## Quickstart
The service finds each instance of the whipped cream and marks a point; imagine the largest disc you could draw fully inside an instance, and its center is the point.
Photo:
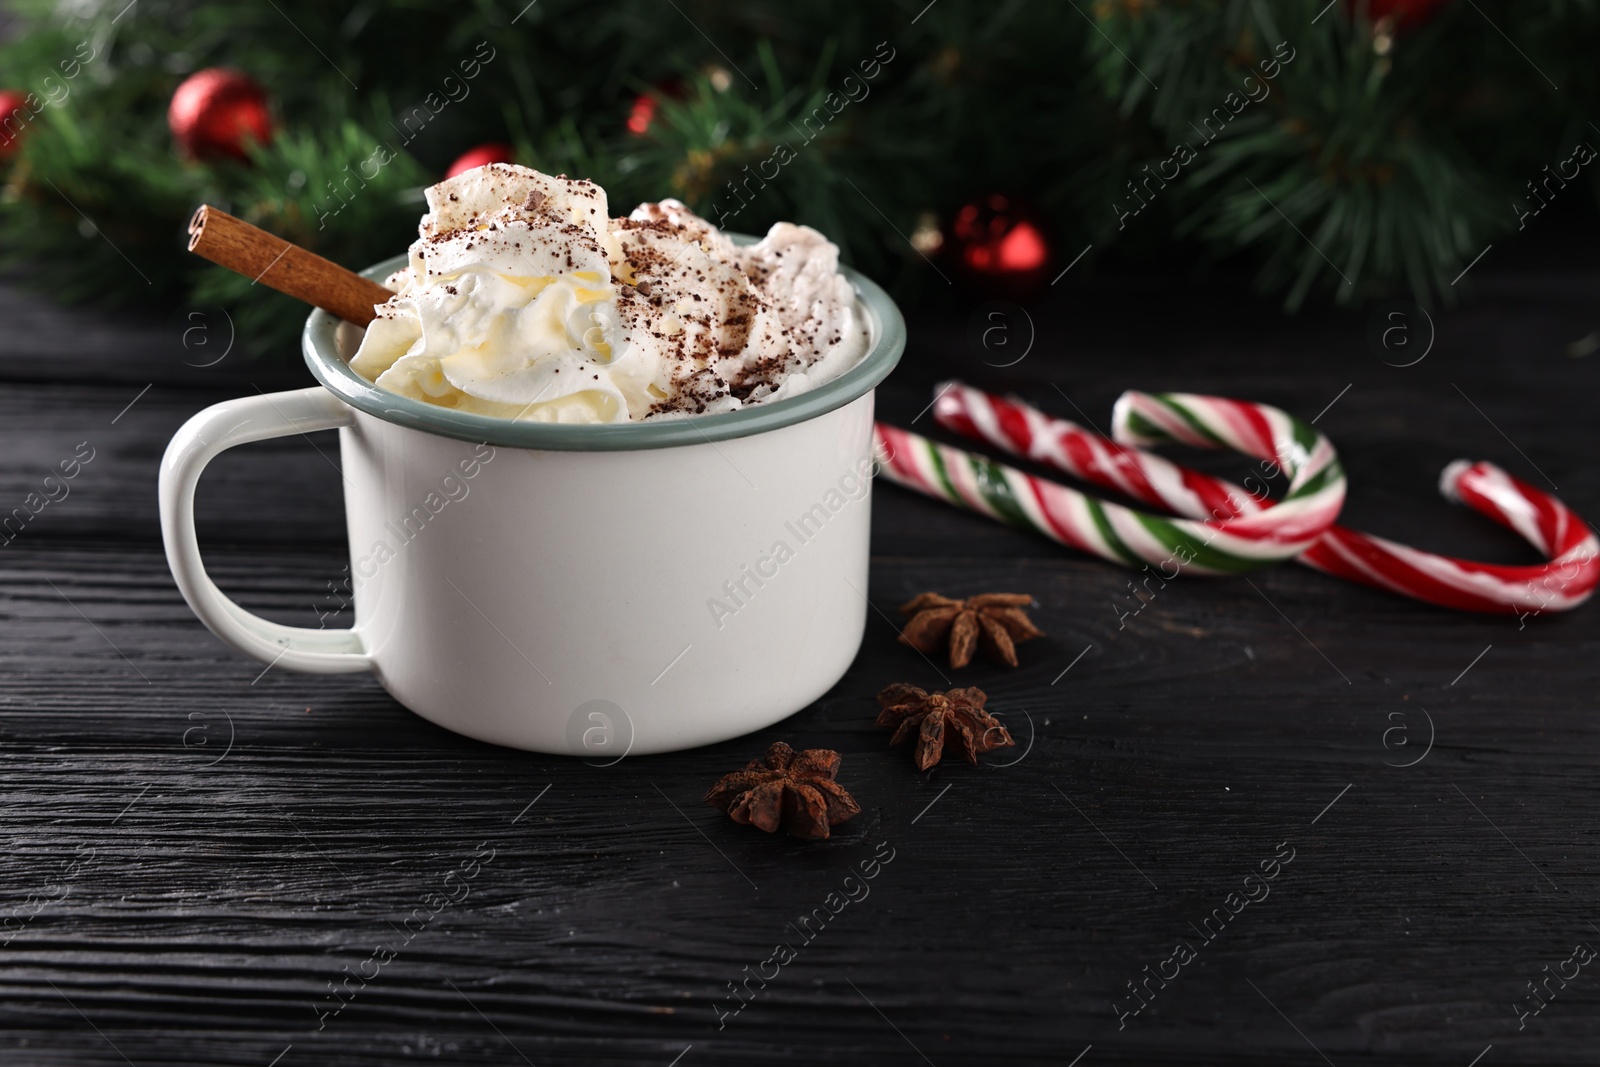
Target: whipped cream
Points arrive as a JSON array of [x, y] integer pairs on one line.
[[523, 299]]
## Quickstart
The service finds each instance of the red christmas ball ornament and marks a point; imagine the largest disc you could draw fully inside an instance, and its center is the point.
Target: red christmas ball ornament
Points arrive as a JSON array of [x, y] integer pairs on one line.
[[642, 113], [643, 110], [11, 102], [999, 245], [482, 156], [215, 111]]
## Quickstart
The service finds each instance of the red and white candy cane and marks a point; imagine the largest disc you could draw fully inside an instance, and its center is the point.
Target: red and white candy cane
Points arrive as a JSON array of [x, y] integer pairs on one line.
[[1563, 583], [1226, 542]]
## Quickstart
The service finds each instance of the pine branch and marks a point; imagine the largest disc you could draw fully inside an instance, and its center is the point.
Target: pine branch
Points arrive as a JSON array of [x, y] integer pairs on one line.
[[1374, 160]]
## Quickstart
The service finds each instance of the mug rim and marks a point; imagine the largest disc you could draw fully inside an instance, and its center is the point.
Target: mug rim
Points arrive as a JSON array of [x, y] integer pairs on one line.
[[319, 344]]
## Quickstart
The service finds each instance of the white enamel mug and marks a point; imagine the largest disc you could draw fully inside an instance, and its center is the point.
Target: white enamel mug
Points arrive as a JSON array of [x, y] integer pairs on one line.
[[582, 590]]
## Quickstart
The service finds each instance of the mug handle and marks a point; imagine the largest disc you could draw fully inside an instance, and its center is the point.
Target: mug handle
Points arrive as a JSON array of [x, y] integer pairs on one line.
[[219, 427]]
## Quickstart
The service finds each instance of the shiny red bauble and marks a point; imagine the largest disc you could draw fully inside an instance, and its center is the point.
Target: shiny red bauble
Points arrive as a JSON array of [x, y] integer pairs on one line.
[[482, 156], [216, 111], [999, 245]]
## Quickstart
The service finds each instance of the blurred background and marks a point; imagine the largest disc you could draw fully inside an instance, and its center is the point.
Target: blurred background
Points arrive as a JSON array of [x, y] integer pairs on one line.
[[1330, 151]]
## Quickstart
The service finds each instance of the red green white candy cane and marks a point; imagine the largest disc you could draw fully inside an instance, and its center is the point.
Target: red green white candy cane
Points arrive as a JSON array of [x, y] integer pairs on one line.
[[1559, 585], [1218, 540]]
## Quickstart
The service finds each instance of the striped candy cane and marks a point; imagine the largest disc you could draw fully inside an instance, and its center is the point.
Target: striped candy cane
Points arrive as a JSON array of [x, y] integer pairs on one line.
[[1563, 583], [1228, 542]]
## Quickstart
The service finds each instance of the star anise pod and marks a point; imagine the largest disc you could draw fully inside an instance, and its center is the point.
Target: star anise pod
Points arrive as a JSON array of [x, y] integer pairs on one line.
[[956, 719], [994, 620], [788, 789]]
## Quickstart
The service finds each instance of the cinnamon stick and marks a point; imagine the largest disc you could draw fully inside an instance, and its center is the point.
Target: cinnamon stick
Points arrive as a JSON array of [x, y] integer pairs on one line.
[[286, 267]]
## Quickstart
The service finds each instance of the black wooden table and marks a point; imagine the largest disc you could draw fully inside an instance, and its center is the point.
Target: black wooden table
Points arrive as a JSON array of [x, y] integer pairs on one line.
[[211, 863]]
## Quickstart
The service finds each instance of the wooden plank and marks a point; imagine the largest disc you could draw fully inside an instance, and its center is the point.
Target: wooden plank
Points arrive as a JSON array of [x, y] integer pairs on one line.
[[223, 898], [288, 489], [284, 490], [192, 346], [1172, 751]]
